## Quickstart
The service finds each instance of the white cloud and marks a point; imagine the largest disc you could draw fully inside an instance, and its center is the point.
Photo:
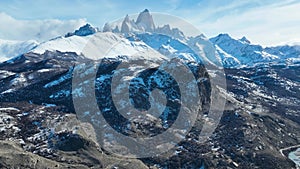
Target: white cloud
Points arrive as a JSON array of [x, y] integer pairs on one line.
[[40, 30], [267, 25], [268, 22]]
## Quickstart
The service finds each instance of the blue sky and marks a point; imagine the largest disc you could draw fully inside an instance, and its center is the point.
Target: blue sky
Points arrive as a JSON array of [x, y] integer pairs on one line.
[[268, 22]]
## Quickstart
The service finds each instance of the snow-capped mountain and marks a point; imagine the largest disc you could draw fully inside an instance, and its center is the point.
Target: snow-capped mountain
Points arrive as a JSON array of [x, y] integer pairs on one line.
[[230, 52], [10, 49], [291, 54], [144, 23], [38, 121], [111, 46], [63, 44], [173, 32], [241, 53], [73, 42], [135, 37], [136, 34]]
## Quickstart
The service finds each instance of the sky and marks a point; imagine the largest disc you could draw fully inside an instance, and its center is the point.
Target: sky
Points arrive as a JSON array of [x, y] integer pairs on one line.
[[265, 22]]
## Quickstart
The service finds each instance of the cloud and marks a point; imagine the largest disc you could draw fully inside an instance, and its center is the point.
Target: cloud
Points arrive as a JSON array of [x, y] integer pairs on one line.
[[270, 24], [40, 30]]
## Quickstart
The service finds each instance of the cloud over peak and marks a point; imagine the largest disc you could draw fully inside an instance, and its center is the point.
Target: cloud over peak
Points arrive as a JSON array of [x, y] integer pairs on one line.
[[40, 30]]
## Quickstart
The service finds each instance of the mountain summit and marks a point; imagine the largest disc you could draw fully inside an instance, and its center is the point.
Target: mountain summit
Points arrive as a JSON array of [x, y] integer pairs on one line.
[[128, 25], [167, 40], [85, 30], [145, 21]]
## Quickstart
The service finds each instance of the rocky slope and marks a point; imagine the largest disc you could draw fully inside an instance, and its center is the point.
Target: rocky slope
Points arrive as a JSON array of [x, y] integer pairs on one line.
[[261, 117]]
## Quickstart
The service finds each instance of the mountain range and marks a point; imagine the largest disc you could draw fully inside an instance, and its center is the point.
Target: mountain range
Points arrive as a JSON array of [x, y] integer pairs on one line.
[[234, 53], [39, 102]]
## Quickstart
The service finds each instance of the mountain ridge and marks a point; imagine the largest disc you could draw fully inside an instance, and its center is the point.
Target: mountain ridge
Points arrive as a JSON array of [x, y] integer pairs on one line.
[[234, 53]]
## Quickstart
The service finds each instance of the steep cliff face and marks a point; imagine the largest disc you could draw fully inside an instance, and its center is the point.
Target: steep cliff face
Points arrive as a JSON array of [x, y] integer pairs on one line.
[[145, 21]]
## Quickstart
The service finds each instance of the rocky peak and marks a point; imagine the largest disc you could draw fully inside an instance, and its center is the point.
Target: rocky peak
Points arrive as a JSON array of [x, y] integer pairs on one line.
[[146, 10], [245, 40], [127, 19], [173, 32], [145, 21], [107, 28], [85, 30], [221, 37], [128, 26]]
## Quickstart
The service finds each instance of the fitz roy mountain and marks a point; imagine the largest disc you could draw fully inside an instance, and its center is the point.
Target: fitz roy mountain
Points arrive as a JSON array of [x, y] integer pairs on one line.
[[234, 53], [40, 127]]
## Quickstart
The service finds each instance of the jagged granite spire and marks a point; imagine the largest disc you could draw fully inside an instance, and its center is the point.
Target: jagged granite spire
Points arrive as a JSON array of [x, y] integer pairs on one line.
[[107, 28], [126, 25], [145, 21]]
